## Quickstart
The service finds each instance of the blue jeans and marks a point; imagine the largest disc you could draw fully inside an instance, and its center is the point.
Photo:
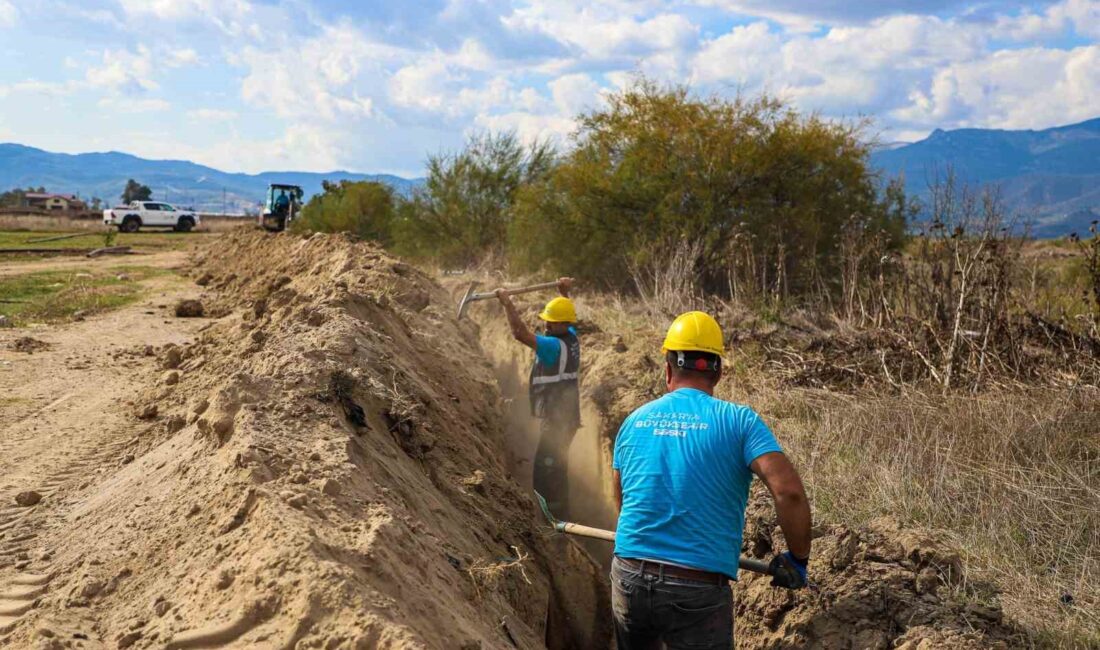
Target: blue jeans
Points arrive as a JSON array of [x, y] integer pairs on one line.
[[682, 613]]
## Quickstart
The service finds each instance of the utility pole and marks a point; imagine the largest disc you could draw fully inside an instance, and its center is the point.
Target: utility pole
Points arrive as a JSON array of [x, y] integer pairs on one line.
[[223, 201]]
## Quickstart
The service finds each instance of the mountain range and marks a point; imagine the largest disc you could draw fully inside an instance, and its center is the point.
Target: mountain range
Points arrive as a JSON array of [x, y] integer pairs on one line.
[[181, 182], [1050, 178]]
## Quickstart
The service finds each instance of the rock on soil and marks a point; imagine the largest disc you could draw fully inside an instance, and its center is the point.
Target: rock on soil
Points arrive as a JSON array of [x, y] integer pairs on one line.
[[28, 498], [28, 344], [189, 309]]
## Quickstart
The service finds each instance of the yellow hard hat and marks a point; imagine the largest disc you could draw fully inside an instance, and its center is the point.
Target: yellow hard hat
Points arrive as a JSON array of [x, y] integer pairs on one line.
[[559, 310], [694, 330]]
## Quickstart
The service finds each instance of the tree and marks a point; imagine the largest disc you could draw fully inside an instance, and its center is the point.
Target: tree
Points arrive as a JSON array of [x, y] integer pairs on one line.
[[365, 209], [747, 194], [96, 203], [463, 211], [17, 198], [135, 191]]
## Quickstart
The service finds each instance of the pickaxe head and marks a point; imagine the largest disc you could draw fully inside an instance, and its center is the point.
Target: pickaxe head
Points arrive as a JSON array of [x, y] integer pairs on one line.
[[465, 302]]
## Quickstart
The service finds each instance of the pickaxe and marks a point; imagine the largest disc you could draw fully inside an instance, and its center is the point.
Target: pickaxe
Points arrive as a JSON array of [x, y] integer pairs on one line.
[[569, 528], [474, 297]]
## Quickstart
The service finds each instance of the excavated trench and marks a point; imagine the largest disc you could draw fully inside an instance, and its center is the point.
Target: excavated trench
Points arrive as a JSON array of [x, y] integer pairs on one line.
[[590, 489], [336, 462], [878, 586]]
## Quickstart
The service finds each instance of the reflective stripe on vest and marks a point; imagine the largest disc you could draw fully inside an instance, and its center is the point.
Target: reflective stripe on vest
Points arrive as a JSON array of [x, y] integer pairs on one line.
[[560, 375]]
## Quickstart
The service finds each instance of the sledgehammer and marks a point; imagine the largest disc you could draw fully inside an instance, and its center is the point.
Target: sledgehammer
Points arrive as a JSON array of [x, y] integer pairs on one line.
[[474, 297], [569, 528]]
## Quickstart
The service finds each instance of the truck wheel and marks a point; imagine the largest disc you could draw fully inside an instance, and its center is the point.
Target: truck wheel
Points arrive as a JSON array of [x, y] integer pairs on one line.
[[185, 224], [130, 224]]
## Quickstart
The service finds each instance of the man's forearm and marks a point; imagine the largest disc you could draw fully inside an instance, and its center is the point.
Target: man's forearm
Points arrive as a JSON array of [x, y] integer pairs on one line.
[[516, 323], [793, 511], [519, 329]]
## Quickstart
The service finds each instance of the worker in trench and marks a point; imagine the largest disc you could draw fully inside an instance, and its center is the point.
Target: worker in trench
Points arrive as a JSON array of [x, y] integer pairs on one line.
[[682, 468], [554, 390]]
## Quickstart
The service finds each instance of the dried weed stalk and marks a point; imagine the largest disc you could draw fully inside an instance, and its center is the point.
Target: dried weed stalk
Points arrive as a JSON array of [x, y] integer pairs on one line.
[[488, 574]]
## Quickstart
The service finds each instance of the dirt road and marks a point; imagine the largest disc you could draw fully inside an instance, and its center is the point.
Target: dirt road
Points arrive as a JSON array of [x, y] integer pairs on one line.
[[65, 417]]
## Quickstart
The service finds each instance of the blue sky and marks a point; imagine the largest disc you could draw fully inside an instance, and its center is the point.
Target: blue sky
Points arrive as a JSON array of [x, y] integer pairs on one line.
[[251, 85]]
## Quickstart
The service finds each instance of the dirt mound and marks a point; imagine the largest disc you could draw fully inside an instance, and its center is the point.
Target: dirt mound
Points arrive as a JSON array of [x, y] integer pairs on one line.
[[882, 586], [325, 468], [28, 344]]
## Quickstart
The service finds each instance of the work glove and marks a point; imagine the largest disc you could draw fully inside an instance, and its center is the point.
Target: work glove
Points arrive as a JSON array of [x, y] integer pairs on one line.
[[788, 571]]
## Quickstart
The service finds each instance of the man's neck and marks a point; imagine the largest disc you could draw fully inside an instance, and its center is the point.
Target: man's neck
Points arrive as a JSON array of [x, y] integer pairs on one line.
[[687, 382]]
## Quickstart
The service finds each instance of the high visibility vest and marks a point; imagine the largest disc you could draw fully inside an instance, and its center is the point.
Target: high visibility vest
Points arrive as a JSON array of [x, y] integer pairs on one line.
[[555, 391]]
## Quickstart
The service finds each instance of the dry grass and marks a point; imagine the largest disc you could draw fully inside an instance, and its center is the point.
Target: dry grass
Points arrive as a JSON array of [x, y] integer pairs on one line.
[[486, 575], [1013, 478], [56, 223], [55, 296]]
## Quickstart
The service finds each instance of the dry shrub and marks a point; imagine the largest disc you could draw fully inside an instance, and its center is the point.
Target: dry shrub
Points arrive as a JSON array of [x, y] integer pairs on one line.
[[1013, 477], [667, 277]]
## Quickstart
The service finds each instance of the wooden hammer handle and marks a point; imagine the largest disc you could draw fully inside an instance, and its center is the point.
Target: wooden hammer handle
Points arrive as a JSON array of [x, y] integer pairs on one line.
[[514, 292]]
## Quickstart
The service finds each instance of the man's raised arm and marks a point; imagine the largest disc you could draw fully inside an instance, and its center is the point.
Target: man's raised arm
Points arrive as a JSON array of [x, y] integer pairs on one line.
[[520, 331]]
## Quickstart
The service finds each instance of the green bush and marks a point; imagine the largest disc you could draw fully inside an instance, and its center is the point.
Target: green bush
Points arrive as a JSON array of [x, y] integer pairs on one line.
[[364, 208], [756, 193], [461, 214]]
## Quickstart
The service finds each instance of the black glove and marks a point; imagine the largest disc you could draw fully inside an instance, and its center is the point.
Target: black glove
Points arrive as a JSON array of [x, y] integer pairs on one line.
[[788, 571]]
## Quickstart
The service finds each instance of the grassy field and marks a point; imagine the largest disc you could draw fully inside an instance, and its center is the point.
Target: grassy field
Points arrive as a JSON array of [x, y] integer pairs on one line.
[[145, 241], [55, 296]]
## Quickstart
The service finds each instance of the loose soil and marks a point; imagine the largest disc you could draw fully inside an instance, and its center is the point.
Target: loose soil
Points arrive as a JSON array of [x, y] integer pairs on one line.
[[318, 462]]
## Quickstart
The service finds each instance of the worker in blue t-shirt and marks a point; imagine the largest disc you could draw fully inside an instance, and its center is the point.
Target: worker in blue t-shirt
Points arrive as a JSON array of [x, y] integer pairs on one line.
[[682, 468], [554, 390]]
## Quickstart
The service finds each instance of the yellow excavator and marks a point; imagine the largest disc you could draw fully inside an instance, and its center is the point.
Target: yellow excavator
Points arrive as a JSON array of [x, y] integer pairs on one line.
[[283, 205]]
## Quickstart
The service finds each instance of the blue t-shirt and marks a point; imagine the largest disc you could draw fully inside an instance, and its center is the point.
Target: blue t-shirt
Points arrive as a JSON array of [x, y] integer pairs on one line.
[[684, 465], [548, 348]]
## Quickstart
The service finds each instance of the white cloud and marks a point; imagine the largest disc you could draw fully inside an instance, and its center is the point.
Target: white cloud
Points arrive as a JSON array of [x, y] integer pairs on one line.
[[528, 127], [1012, 89], [422, 84], [574, 93], [845, 70], [1083, 16], [123, 71], [744, 56], [9, 15], [212, 115], [601, 31], [46, 88], [182, 57], [328, 76], [133, 104], [230, 16]]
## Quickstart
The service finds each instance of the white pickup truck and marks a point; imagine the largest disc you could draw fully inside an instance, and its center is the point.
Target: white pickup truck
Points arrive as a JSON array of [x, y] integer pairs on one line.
[[129, 218]]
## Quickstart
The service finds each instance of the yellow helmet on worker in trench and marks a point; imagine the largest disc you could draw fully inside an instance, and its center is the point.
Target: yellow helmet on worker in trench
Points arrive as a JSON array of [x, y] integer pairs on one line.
[[697, 331], [559, 310]]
